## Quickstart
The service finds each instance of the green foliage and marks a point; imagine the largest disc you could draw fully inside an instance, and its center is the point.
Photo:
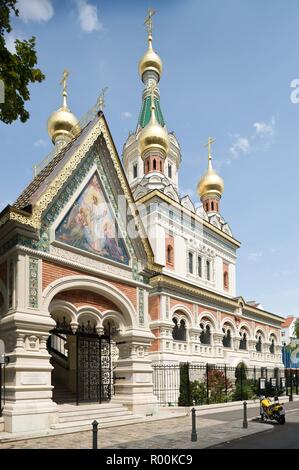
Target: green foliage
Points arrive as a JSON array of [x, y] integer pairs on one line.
[[198, 392], [241, 373], [185, 396], [247, 391], [218, 386], [297, 328], [17, 70]]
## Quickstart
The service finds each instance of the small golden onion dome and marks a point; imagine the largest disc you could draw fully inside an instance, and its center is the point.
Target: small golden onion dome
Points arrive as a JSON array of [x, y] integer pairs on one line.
[[153, 135], [211, 183], [150, 61], [63, 124]]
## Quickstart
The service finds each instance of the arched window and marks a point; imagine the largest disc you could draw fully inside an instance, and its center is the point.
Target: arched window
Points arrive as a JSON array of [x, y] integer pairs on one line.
[[243, 341], [148, 166], [160, 166], [199, 266], [135, 170], [179, 331], [205, 335], [190, 260], [169, 170], [227, 339], [182, 330], [154, 164], [207, 207], [175, 329], [212, 205], [258, 345], [170, 254], [225, 280], [272, 346], [208, 269]]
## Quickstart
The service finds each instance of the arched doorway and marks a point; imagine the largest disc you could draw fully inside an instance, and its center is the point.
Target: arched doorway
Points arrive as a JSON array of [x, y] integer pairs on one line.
[[81, 360]]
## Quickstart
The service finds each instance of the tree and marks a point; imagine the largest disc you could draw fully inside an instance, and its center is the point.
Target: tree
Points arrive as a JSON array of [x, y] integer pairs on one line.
[[297, 328], [17, 70]]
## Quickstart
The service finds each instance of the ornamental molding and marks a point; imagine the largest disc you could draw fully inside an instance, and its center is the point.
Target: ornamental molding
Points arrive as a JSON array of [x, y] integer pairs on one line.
[[178, 285], [74, 263]]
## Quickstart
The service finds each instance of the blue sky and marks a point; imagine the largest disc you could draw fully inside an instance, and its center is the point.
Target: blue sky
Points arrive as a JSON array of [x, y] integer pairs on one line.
[[228, 66]]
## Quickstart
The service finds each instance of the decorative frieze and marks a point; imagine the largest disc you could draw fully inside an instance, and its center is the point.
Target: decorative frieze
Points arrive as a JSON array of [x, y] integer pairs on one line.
[[33, 282], [141, 306]]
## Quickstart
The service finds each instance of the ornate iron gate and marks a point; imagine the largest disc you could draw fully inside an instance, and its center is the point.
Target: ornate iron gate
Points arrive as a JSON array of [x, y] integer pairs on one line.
[[93, 368]]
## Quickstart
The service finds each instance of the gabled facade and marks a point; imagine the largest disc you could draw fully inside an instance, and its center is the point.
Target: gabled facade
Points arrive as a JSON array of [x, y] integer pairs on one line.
[[74, 282]]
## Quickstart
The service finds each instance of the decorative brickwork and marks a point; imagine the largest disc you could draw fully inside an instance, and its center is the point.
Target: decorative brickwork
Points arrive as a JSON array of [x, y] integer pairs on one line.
[[154, 307], [52, 272]]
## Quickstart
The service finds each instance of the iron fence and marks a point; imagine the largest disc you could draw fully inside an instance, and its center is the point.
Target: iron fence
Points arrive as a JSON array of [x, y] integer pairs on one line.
[[186, 384]]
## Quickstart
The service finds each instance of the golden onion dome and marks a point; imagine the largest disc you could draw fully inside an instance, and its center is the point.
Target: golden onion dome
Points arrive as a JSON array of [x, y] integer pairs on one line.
[[211, 183], [153, 135], [150, 61], [62, 125]]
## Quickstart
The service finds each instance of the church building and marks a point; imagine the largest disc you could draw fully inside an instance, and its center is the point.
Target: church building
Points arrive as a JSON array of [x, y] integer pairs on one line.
[[105, 270]]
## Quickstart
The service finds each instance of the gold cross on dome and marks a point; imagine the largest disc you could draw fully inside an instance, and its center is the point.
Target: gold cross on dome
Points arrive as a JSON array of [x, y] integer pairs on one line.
[[149, 21], [208, 144], [101, 100], [64, 79]]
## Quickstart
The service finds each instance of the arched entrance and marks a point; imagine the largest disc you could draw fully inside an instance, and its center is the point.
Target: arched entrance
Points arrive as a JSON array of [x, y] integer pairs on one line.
[[81, 361], [83, 346]]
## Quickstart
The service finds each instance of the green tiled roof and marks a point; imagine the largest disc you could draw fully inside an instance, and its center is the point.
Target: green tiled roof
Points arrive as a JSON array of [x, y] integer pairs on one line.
[[146, 112]]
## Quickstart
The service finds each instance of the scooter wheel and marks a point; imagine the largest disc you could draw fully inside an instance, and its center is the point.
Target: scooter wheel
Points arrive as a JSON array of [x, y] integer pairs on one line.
[[282, 420]]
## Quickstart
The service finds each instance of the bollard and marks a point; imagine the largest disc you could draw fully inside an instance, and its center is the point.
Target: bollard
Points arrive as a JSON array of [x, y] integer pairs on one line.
[[95, 434], [245, 422], [193, 433]]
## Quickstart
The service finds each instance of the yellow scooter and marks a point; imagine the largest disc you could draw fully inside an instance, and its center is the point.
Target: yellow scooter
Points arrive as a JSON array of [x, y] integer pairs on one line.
[[272, 411]]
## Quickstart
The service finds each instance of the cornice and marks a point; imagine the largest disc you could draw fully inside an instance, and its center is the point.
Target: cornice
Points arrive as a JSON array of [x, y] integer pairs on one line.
[[166, 281]]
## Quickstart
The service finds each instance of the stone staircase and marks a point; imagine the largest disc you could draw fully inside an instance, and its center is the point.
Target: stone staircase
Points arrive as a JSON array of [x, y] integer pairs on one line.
[[61, 394], [72, 418]]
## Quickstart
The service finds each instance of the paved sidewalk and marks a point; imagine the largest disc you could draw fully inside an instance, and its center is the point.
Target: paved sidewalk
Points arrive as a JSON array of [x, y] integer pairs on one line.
[[167, 434]]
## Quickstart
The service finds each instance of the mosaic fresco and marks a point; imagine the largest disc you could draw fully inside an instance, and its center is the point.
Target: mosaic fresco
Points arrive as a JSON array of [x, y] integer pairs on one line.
[[90, 225]]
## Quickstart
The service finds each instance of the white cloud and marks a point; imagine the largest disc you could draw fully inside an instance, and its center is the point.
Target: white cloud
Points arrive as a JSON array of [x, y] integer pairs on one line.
[[35, 10], [10, 42], [241, 145], [263, 129], [126, 115], [88, 17], [246, 145], [40, 143]]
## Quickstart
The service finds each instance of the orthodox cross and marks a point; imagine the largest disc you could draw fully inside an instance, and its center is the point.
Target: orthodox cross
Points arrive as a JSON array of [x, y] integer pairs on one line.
[[64, 79], [149, 21], [101, 100], [208, 144], [63, 83]]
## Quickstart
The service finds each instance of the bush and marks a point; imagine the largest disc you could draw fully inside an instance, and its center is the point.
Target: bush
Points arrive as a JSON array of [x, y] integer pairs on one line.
[[185, 396], [198, 392]]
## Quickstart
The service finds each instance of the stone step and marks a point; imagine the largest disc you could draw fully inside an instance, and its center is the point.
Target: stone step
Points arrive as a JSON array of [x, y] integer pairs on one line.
[[91, 416], [86, 425], [87, 407]]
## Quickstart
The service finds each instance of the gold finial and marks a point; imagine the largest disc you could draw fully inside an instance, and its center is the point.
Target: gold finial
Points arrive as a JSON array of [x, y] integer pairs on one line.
[[149, 22], [101, 100], [63, 83]]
